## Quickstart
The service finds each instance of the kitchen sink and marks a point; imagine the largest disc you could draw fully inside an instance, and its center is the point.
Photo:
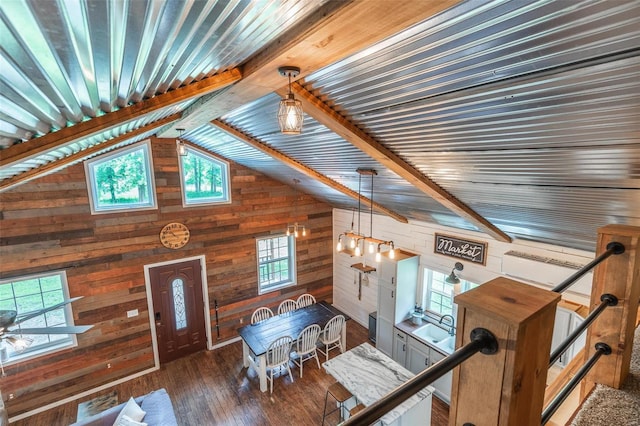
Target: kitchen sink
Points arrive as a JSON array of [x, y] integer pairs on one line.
[[432, 334], [448, 345]]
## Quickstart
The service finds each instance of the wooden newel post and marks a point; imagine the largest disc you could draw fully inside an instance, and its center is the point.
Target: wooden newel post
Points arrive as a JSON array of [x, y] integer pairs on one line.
[[618, 275], [506, 388]]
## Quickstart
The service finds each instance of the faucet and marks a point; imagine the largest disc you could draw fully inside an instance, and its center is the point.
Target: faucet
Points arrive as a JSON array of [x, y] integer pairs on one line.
[[452, 330]]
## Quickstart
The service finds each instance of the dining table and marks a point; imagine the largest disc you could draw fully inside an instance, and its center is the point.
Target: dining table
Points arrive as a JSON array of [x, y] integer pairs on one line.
[[257, 337]]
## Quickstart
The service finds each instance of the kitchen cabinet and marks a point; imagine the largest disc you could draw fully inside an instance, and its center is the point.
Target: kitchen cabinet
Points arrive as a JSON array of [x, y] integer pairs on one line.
[[420, 357], [397, 284], [399, 347], [442, 386], [566, 321]]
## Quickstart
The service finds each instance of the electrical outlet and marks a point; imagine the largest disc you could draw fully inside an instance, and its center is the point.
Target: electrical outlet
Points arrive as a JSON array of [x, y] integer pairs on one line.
[[132, 313], [241, 320], [11, 396], [109, 365]]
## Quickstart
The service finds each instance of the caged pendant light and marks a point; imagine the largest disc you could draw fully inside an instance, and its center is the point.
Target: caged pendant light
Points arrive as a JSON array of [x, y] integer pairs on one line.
[[181, 147], [290, 114]]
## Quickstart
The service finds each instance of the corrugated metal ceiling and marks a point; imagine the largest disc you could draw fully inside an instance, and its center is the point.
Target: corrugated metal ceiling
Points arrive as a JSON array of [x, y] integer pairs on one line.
[[527, 111]]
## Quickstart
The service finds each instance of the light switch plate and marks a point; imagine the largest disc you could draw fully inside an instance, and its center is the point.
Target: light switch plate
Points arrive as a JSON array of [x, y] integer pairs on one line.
[[132, 313]]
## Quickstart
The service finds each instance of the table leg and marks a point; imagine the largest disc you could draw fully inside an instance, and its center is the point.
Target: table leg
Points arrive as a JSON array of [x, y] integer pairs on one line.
[[245, 354], [343, 337], [262, 372]]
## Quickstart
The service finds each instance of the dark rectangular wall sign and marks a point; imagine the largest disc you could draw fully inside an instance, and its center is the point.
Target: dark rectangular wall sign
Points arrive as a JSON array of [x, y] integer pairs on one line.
[[472, 251]]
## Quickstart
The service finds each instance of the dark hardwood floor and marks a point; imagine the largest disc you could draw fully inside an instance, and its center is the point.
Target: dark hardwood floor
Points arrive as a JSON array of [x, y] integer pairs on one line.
[[212, 388]]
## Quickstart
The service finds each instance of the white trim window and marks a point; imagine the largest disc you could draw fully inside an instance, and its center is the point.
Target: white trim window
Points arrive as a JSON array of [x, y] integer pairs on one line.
[[122, 180], [32, 293], [276, 263], [438, 294], [204, 179]]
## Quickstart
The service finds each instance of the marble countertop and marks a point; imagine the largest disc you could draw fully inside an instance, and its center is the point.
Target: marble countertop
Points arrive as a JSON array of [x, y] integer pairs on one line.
[[369, 375]]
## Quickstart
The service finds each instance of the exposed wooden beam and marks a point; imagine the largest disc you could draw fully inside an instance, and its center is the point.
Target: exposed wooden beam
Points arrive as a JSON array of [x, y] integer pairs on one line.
[[333, 32], [274, 153], [321, 112], [53, 166], [88, 128]]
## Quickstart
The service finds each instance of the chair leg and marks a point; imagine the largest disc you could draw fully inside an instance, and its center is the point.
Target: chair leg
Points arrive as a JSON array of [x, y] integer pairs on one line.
[[315, 355], [301, 365]]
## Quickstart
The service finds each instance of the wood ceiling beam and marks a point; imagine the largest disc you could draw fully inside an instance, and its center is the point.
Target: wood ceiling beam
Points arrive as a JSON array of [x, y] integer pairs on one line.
[[308, 171], [50, 141], [322, 113], [54, 166], [333, 32]]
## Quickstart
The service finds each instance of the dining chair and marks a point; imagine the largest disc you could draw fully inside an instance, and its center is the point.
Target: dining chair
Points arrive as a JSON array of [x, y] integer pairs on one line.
[[306, 346], [306, 300], [287, 306], [331, 335], [261, 314], [278, 356]]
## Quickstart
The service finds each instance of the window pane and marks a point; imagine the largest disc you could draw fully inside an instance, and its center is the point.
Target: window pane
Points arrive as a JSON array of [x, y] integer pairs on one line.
[[204, 178], [25, 295], [177, 288], [275, 262], [122, 180]]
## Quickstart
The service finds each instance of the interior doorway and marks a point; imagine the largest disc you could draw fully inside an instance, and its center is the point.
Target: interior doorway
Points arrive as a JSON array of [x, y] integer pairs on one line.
[[178, 308]]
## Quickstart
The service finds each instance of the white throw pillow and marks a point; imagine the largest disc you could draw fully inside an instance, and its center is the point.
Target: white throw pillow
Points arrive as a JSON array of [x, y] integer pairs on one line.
[[128, 421], [130, 410]]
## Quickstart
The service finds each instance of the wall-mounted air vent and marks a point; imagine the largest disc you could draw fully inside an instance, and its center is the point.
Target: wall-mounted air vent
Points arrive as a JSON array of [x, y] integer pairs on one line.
[[544, 259], [545, 270]]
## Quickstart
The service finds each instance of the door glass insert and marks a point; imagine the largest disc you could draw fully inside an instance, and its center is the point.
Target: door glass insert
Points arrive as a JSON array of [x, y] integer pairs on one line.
[[177, 287]]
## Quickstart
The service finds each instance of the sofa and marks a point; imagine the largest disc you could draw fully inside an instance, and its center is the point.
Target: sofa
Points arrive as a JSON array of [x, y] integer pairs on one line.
[[156, 405]]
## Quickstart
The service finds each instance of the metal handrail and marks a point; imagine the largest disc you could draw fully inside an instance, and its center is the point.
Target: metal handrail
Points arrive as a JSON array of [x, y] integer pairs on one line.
[[612, 248], [607, 300], [601, 349], [482, 341]]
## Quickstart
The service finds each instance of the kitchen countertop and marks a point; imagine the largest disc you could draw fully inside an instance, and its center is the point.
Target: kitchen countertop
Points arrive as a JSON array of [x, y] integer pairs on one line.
[[369, 375], [407, 326]]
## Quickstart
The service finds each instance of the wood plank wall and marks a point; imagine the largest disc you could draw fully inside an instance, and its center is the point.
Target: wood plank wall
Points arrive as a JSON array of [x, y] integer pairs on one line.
[[46, 225]]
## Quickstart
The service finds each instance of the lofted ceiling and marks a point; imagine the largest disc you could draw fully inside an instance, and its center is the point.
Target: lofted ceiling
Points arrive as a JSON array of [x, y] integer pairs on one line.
[[520, 119]]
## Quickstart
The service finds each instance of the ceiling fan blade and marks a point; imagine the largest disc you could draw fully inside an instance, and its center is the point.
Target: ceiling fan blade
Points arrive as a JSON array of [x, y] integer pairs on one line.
[[73, 329], [29, 315]]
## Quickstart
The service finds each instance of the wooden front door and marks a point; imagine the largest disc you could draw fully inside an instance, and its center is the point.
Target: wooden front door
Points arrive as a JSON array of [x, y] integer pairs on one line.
[[178, 308]]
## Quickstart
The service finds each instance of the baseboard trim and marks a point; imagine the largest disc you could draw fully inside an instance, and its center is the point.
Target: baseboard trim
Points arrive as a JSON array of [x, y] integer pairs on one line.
[[81, 395]]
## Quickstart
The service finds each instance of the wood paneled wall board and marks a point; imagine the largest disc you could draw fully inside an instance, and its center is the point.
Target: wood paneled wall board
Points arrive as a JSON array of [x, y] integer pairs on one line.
[[107, 266]]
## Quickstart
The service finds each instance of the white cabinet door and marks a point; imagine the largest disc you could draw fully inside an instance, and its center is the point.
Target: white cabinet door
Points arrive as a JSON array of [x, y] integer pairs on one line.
[[560, 332], [579, 343], [443, 384], [400, 347], [384, 337], [386, 302], [418, 356]]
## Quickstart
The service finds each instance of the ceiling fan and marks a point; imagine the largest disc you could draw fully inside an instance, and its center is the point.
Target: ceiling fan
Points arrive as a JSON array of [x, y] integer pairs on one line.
[[10, 319]]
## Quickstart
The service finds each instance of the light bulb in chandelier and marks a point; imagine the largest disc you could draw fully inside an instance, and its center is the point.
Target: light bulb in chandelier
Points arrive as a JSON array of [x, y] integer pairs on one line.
[[339, 245], [372, 248], [352, 243], [378, 255], [358, 252], [304, 231]]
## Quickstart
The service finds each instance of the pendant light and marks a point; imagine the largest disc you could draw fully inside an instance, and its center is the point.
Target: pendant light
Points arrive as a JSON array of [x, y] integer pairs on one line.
[[290, 114], [374, 245], [296, 229], [181, 147]]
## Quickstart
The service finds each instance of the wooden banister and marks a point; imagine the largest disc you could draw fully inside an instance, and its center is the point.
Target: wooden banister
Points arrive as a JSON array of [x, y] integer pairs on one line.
[[506, 388]]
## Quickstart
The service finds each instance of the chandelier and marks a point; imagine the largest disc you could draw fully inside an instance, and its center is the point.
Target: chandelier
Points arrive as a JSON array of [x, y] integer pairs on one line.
[[296, 229], [357, 240]]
